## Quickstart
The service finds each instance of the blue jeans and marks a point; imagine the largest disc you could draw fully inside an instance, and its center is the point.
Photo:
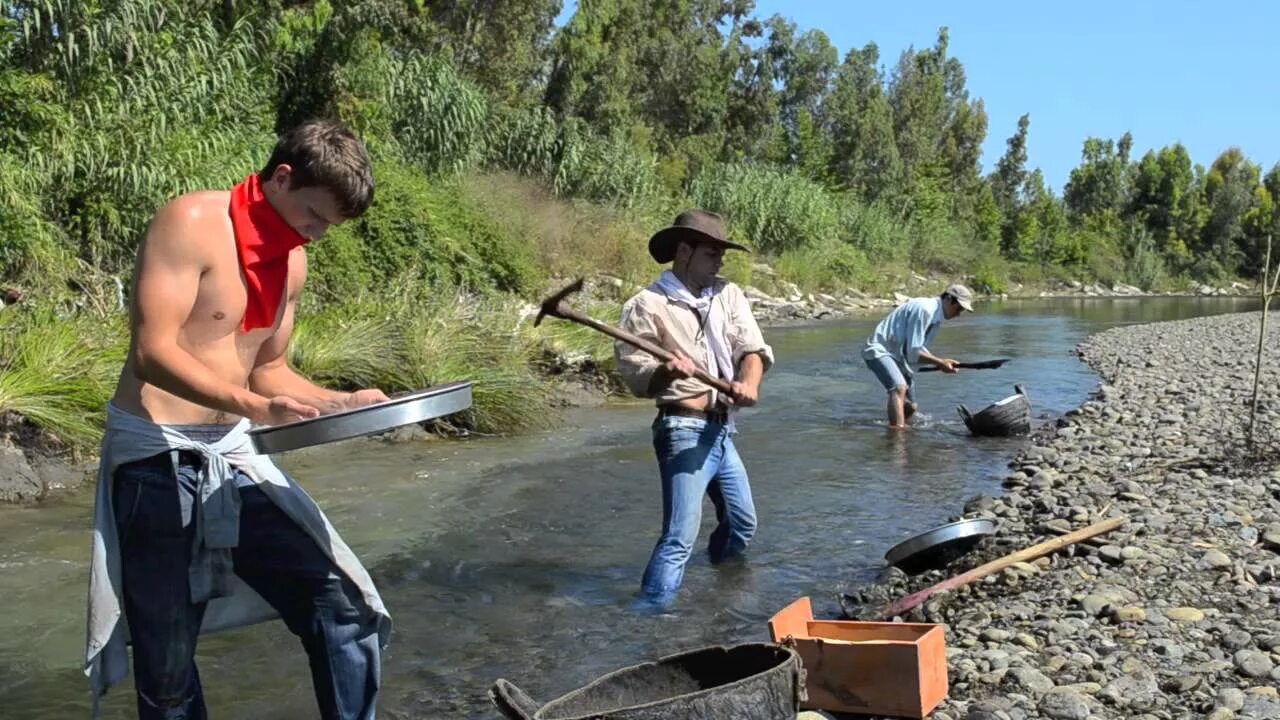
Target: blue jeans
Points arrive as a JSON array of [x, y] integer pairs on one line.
[[696, 457], [275, 557]]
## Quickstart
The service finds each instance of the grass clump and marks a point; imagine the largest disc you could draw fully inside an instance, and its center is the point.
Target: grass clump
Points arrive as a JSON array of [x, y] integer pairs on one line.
[[58, 373]]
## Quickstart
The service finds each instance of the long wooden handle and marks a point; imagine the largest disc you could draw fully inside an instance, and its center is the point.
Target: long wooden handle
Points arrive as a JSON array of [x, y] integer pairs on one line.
[[904, 604], [641, 343]]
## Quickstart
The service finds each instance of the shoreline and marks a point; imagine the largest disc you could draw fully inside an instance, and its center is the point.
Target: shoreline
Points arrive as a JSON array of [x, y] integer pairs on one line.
[[796, 307], [1175, 614]]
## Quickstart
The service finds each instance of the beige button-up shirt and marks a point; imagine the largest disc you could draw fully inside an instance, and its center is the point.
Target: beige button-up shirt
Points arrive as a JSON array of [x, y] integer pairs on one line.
[[654, 317]]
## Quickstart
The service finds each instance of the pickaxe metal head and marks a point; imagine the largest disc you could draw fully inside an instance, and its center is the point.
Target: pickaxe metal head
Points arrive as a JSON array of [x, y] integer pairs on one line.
[[551, 306]]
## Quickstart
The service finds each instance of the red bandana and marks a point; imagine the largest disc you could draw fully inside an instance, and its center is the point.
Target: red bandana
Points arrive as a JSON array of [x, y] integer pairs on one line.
[[263, 240]]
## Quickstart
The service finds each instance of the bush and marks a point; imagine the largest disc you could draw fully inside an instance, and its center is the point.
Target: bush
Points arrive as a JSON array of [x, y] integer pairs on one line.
[[875, 229], [567, 239], [1147, 270], [31, 247], [826, 266], [943, 247], [772, 210], [439, 118], [430, 228], [572, 158], [992, 277], [737, 268], [349, 346]]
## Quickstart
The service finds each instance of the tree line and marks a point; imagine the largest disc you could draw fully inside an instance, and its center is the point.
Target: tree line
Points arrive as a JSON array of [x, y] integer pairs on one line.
[[847, 164]]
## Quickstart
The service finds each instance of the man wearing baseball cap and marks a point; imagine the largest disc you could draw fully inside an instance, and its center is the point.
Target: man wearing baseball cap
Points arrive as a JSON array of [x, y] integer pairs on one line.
[[900, 343]]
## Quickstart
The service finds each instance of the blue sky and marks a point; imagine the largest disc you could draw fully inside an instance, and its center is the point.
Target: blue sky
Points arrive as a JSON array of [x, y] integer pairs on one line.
[[1177, 71]]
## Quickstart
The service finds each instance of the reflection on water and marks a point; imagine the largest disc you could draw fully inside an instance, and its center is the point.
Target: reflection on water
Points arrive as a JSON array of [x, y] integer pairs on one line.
[[517, 557]]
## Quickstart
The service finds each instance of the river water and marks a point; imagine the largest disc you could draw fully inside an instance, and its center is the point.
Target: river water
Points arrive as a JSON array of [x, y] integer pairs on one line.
[[517, 557]]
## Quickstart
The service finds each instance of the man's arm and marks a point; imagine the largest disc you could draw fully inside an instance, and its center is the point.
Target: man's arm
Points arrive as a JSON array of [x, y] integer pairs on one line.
[[752, 354], [746, 392], [273, 376], [917, 327], [644, 375], [921, 337], [167, 280], [947, 365]]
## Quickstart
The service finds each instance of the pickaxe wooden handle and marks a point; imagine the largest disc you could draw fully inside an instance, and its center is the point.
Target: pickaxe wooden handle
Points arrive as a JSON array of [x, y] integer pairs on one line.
[[555, 306]]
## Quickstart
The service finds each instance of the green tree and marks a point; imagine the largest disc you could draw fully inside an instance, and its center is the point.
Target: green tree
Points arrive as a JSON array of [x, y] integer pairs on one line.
[[1046, 244], [917, 93], [1230, 192], [1165, 198], [807, 65], [1096, 189], [666, 66], [754, 100], [594, 67], [938, 129], [1007, 182], [501, 44], [1011, 170], [864, 155]]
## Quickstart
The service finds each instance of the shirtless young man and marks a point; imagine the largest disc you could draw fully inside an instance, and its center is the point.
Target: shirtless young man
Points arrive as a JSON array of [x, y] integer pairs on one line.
[[192, 528]]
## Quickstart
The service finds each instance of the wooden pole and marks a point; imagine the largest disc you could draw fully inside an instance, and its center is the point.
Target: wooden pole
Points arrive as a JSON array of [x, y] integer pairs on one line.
[[1269, 279], [913, 600]]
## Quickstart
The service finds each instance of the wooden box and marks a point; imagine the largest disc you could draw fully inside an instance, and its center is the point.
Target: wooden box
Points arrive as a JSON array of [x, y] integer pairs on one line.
[[875, 668]]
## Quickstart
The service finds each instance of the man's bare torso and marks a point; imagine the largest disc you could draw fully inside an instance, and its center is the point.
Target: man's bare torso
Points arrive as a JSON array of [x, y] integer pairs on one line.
[[211, 333]]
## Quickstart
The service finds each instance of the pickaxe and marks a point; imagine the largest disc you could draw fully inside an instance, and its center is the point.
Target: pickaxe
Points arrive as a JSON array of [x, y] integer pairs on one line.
[[555, 306]]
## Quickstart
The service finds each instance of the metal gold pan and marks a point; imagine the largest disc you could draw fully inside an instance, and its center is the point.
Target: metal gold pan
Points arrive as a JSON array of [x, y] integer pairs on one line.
[[428, 404], [939, 545]]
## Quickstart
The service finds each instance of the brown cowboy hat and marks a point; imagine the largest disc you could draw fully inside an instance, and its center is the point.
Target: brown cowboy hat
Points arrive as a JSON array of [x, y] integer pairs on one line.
[[692, 226]]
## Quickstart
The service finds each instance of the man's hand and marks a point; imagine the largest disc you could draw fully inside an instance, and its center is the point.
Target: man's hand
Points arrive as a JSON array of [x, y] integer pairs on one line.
[[949, 366], [745, 394], [282, 409], [361, 398], [337, 402], [679, 367]]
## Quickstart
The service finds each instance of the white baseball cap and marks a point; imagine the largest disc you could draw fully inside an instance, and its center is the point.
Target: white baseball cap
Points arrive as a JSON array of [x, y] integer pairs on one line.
[[963, 295]]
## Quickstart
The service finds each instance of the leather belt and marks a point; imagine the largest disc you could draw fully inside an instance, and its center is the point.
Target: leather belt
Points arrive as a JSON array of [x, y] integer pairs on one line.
[[720, 416]]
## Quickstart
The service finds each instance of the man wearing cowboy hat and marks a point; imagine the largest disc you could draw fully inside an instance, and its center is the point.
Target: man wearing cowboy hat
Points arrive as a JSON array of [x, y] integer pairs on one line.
[[706, 322], [900, 342]]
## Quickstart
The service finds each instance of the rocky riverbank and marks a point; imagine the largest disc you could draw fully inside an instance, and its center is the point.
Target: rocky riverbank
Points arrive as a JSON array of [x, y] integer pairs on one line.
[[789, 304], [779, 302], [1176, 614]]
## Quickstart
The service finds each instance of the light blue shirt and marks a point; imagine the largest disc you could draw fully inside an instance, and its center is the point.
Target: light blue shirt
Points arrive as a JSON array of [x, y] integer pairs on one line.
[[903, 333]]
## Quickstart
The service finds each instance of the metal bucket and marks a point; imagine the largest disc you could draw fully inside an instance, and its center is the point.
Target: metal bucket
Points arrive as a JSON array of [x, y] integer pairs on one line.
[[1010, 416], [755, 681]]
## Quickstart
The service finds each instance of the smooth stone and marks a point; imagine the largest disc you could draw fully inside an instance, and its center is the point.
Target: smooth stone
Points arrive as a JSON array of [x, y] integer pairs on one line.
[[1253, 663], [1214, 560], [1231, 698], [1064, 704], [1185, 615]]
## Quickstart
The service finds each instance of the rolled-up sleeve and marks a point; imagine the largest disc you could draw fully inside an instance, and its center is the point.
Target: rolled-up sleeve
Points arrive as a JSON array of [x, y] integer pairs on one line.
[[635, 365], [744, 332]]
